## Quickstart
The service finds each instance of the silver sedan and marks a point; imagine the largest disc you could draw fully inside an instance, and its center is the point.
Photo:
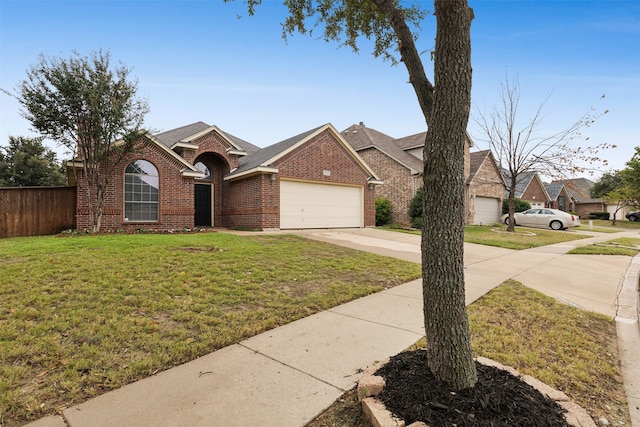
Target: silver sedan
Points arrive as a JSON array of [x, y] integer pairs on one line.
[[543, 218]]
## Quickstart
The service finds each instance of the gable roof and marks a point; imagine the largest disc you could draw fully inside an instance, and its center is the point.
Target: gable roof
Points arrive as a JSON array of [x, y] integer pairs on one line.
[[411, 141], [523, 181], [262, 161], [188, 133], [361, 138], [477, 159], [579, 189], [417, 141], [188, 169], [553, 190]]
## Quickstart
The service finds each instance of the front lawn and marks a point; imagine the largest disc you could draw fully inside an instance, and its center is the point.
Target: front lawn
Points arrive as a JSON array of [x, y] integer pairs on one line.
[[497, 235], [80, 316], [623, 246], [521, 238]]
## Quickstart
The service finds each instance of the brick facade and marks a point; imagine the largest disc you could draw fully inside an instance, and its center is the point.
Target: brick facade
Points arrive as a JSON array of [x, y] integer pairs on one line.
[[535, 193], [562, 202], [399, 184], [486, 182], [176, 209], [251, 201], [324, 153]]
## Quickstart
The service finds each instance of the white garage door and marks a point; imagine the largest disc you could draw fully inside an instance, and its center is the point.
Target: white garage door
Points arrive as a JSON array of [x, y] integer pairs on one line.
[[310, 205], [487, 211]]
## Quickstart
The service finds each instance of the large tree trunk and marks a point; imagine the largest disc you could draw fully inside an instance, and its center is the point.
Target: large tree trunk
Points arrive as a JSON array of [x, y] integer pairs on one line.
[[448, 343]]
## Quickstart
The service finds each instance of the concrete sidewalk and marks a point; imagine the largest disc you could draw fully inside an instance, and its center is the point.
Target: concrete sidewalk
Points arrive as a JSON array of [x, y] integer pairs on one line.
[[287, 376]]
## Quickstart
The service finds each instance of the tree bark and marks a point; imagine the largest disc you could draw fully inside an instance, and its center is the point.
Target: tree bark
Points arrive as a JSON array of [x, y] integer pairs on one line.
[[449, 352]]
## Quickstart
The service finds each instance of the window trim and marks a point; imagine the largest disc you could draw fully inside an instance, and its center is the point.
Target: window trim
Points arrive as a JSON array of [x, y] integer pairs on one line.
[[140, 202]]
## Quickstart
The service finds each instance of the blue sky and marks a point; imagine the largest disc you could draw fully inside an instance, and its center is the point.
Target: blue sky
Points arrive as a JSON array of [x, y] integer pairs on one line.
[[197, 61]]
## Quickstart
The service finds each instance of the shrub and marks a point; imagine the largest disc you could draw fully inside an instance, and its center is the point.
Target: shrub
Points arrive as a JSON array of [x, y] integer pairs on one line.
[[415, 208], [598, 215], [521, 205], [383, 211]]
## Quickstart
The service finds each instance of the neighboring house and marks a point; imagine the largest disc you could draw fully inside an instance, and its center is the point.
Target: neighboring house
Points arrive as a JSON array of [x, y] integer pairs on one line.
[[398, 162], [400, 171], [529, 187], [583, 204], [559, 197], [198, 175], [485, 189]]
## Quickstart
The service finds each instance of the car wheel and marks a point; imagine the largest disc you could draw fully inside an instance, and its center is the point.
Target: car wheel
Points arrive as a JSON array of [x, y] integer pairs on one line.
[[506, 221], [632, 218], [556, 225]]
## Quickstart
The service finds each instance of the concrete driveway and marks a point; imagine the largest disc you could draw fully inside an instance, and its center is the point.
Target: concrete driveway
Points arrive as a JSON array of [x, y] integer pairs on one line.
[[603, 284], [589, 282]]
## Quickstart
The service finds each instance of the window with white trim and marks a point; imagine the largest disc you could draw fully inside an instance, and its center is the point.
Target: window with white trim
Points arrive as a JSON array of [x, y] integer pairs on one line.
[[141, 192]]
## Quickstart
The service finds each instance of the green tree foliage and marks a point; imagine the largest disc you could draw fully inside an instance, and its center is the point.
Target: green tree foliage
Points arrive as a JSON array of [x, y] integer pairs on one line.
[[90, 108], [520, 205], [631, 178], [383, 211], [628, 192], [393, 26], [28, 162], [415, 208], [607, 183]]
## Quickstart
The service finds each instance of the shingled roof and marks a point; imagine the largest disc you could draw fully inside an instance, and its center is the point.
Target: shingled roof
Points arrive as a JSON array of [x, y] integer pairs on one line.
[[522, 181], [476, 159], [553, 190], [174, 136], [263, 160], [579, 189], [361, 137], [265, 156]]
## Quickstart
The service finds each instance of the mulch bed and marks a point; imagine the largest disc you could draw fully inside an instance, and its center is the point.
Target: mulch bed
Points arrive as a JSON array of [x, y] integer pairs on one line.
[[412, 393]]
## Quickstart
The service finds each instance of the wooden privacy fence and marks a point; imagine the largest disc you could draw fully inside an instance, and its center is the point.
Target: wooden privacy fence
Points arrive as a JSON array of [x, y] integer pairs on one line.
[[36, 211]]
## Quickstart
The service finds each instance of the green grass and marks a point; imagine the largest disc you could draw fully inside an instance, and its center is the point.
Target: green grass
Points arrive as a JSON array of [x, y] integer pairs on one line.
[[572, 350], [83, 315], [598, 229], [623, 246], [522, 238], [621, 225], [497, 235]]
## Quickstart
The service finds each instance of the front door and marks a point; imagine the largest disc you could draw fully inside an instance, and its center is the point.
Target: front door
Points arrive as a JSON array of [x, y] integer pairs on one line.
[[204, 205]]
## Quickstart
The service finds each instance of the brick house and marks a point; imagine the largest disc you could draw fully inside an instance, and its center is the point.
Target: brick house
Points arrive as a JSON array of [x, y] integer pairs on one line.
[[583, 204], [398, 162], [484, 188], [559, 197], [198, 175], [530, 188]]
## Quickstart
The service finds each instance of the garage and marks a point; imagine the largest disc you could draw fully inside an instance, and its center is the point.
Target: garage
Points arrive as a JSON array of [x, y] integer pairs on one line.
[[487, 210], [317, 205]]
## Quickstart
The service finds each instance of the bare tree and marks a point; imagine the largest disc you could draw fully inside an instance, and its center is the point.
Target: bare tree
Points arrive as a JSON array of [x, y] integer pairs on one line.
[[87, 107], [518, 146], [445, 107]]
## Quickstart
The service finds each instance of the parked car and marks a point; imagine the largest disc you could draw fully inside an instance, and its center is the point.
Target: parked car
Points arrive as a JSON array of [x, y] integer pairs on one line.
[[537, 217], [633, 216]]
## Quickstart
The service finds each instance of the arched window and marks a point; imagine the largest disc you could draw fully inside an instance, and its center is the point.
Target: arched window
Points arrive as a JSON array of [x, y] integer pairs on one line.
[[141, 191], [203, 168]]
